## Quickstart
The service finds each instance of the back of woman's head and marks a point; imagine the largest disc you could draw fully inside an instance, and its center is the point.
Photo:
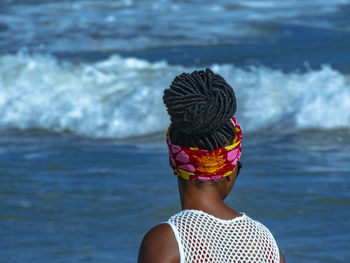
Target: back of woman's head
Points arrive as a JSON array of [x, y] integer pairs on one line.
[[200, 106]]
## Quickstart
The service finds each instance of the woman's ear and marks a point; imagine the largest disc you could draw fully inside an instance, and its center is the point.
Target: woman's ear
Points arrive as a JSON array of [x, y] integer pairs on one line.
[[228, 178], [229, 182], [231, 178], [233, 175]]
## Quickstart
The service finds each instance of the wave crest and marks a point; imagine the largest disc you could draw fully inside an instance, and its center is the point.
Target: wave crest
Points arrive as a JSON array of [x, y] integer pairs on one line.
[[122, 97]]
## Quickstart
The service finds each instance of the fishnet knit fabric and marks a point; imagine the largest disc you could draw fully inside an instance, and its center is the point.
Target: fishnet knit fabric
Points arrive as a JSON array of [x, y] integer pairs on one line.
[[204, 238]]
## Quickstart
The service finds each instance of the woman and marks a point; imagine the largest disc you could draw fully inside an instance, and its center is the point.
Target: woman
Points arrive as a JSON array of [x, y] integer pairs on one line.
[[204, 141]]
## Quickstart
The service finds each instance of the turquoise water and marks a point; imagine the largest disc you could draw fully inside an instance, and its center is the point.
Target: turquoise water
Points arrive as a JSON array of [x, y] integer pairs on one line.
[[83, 165]]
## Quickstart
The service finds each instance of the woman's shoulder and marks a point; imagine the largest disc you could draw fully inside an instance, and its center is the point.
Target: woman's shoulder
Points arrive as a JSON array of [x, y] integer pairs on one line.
[[159, 245]]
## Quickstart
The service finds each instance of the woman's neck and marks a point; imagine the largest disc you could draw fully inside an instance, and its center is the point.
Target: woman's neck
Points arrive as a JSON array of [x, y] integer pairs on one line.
[[207, 200]]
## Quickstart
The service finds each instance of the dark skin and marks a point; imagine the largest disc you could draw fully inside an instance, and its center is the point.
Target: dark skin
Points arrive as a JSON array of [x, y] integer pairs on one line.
[[159, 244]]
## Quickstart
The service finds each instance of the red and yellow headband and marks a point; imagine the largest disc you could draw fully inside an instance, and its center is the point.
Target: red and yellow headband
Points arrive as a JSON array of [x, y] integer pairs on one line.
[[191, 163]]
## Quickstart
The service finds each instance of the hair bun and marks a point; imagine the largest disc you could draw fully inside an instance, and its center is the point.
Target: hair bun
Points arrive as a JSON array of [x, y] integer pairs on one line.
[[200, 102]]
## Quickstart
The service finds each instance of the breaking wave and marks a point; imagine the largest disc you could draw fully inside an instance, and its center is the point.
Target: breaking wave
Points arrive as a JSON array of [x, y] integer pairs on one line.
[[122, 97]]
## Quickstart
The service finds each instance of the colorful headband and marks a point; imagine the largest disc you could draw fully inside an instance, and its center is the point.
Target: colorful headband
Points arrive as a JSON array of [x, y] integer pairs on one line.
[[191, 163]]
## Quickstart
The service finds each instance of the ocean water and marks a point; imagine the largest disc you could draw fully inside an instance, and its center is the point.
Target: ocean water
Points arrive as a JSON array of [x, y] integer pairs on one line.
[[83, 163]]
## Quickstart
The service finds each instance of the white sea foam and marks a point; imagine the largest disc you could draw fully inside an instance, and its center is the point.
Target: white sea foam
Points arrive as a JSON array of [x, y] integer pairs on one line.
[[113, 98], [315, 99], [122, 97]]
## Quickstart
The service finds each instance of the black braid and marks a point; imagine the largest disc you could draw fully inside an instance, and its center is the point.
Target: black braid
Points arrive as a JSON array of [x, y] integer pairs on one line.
[[200, 106]]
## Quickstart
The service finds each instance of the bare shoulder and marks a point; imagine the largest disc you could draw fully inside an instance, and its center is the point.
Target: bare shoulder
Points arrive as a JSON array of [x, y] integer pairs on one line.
[[159, 245], [282, 259]]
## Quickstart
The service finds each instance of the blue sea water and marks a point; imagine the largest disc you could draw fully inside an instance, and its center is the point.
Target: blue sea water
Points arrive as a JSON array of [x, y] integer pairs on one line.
[[83, 163]]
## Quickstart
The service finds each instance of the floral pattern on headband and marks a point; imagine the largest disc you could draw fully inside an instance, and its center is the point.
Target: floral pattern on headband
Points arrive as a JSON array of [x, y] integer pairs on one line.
[[192, 163]]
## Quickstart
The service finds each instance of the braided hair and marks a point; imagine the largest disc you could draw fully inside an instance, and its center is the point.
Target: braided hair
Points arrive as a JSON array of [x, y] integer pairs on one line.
[[200, 106]]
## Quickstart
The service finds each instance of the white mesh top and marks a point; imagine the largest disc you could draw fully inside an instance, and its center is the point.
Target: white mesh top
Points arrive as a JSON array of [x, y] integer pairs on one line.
[[204, 238]]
